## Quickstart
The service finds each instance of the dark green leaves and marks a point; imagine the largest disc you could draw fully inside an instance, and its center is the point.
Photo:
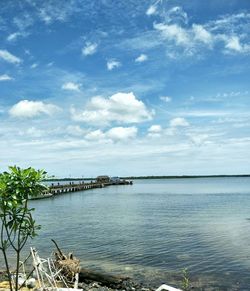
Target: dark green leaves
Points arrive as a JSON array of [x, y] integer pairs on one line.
[[16, 222]]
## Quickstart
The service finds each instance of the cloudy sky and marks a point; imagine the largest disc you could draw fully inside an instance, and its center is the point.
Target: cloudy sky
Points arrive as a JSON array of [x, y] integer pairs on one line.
[[131, 87]]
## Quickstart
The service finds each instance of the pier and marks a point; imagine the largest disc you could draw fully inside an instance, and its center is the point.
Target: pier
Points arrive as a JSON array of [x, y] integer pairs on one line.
[[58, 188], [72, 187]]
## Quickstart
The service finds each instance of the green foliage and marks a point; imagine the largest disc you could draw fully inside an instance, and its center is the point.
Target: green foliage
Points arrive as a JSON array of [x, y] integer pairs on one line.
[[17, 223], [185, 280]]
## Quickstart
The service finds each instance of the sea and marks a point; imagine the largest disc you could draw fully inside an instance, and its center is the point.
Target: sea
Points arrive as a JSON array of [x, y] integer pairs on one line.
[[155, 229]]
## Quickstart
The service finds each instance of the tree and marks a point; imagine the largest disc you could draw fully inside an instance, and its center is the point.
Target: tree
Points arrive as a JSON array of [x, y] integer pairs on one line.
[[16, 222]]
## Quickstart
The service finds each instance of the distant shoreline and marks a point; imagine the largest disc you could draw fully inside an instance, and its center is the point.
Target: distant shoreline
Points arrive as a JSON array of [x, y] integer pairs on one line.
[[155, 177]]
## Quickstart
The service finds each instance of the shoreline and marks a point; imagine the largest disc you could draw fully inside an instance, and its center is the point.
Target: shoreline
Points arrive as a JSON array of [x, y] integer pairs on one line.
[[126, 285], [154, 177]]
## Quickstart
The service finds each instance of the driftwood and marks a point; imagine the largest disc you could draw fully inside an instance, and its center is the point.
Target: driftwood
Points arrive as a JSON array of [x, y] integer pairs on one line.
[[68, 264], [88, 276], [70, 267]]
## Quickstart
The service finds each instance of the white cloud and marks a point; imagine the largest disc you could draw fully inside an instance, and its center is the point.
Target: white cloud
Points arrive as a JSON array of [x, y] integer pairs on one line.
[[50, 64], [173, 32], [34, 65], [95, 135], [120, 107], [141, 58], [49, 13], [45, 17], [155, 129], [28, 109], [181, 39], [23, 22], [13, 36], [201, 34], [75, 130], [198, 139], [114, 134], [34, 132], [178, 121], [166, 99], [151, 10], [8, 57], [233, 43], [5, 77], [122, 133], [205, 113], [177, 15], [71, 86], [185, 36], [112, 64], [89, 49], [230, 22]]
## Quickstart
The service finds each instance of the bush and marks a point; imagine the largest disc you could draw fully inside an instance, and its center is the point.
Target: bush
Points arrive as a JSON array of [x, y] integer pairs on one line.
[[17, 224]]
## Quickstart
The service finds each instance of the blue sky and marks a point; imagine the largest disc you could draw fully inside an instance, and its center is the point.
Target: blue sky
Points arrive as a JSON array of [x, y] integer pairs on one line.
[[125, 87]]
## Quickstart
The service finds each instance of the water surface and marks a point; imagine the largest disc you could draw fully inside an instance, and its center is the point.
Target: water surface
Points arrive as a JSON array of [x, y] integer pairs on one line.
[[155, 228]]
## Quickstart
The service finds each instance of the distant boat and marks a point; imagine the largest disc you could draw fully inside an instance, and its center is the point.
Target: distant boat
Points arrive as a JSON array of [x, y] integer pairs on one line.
[[115, 180]]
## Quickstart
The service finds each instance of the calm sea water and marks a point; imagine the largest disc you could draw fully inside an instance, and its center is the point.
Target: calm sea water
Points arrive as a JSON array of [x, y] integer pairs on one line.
[[155, 228]]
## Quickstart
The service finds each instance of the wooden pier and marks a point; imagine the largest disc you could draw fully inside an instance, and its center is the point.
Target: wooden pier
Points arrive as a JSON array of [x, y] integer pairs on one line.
[[58, 188], [72, 187]]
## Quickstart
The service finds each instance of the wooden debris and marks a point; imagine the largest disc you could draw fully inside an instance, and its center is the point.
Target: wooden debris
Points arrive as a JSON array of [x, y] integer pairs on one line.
[[70, 267], [68, 264]]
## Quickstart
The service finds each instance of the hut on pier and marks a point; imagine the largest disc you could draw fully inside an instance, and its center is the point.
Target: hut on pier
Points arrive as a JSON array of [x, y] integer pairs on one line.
[[103, 179]]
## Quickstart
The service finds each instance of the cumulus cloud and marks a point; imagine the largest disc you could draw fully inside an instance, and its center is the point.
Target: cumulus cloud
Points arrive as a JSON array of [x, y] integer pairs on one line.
[[120, 107], [5, 77], [71, 86], [114, 134], [122, 133], [141, 58], [179, 121], [155, 129], [8, 57], [29, 109], [89, 49], [112, 64]]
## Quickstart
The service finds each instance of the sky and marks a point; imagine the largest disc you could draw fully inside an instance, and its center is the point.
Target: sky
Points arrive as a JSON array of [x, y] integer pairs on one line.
[[125, 87]]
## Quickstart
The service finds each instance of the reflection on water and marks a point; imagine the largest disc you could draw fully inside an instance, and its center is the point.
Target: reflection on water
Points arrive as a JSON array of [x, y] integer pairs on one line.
[[155, 228]]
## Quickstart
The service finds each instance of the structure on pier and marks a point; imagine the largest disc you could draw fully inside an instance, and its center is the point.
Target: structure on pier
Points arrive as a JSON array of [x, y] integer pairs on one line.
[[103, 179]]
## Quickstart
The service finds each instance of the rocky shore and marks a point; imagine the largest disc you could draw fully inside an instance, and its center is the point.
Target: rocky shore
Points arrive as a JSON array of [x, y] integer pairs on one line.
[[126, 285]]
